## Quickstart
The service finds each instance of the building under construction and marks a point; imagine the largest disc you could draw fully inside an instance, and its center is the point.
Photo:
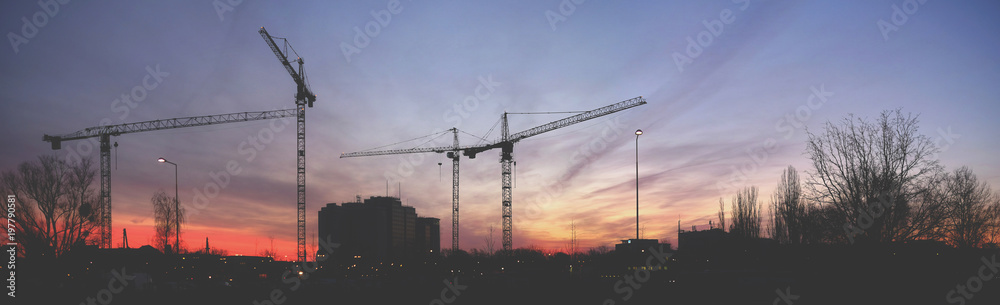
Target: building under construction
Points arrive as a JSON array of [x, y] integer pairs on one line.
[[379, 228]]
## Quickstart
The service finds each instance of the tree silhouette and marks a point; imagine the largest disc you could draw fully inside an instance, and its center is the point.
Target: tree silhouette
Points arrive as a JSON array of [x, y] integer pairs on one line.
[[870, 171], [745, 214], [787, 209], [972, 209], [165, 214], [55, 204], [489, 240], [722, 214]]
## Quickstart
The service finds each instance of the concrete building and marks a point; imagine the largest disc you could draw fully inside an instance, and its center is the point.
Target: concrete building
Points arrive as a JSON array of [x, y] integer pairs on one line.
[[635, 254], [379, 228], [704, 242], [428, 235]]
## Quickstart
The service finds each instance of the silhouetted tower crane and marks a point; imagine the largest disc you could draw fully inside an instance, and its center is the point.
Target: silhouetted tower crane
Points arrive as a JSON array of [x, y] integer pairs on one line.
[[506, 145], [104, 134], [452, 153], [303, 97]]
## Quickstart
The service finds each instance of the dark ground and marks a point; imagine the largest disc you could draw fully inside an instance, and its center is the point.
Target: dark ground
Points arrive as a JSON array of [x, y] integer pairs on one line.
[[828, 275]]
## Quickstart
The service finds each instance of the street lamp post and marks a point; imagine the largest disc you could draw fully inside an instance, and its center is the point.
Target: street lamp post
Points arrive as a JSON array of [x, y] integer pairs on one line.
[[177, 211], [638, 132]]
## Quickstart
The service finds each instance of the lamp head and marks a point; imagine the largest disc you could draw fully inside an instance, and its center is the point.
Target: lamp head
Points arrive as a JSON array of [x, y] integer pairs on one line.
[[161, 160], [638, 132]]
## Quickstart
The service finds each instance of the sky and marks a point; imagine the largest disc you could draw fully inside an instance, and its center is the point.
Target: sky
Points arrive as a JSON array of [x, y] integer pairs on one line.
[[733, 88]]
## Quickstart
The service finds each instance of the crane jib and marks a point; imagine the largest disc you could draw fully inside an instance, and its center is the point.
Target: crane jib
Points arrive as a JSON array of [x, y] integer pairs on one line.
[[506, 143]]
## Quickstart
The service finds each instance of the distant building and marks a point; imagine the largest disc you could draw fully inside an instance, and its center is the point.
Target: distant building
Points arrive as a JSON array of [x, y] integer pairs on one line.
[[428, 235], [632, 254], [704, 242], [637, 245], [379, 228]]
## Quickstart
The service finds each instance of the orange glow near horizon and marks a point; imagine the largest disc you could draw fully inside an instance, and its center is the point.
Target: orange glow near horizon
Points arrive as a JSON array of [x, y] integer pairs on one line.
[[235, 242]]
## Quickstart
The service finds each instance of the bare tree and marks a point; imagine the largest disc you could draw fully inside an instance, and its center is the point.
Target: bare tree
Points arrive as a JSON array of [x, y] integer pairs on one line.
[[869, 172], [312, 245], [166, 215], [745, 214], [972, 208], [787, 209], [722, 214], [993, 231], [56, 204], [928, 211], [219, 252], [270, 252], [82, 203], [490, 243], [572, 249], [599, 250], [777, 230]]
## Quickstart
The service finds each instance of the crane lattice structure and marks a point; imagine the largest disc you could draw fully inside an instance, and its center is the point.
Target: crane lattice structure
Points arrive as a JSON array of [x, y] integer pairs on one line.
[[506, 144], [303, 97], [104, 134], [452, 153]]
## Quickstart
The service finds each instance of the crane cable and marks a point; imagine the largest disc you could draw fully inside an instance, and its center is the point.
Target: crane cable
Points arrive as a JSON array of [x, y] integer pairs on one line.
[[474, 136], [491, 130], [297, 56], [439, 134], [432, 139]]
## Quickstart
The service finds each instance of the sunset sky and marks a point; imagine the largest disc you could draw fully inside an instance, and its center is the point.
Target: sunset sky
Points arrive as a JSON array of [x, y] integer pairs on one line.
[[723, 80]]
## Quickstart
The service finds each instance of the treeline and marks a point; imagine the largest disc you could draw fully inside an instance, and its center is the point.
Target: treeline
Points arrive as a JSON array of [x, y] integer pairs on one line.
[[871, 182]]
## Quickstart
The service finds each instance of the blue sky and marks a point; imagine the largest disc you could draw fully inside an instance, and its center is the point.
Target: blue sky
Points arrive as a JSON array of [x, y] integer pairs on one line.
[[760, 68]]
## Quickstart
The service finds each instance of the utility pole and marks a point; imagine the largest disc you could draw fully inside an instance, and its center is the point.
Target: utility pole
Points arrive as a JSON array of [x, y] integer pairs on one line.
[[638, 132]]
